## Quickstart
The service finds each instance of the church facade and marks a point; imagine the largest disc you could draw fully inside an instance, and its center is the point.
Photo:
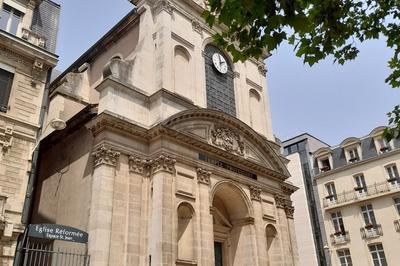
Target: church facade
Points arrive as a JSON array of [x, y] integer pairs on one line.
[[168, 157]]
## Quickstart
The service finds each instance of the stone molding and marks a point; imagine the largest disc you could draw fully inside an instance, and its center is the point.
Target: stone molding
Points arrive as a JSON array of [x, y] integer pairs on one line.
[[163, 163], [14, 56], [6, 138], [162, 5], [105, 155], [227, 139], [203, 176], [255, 193]]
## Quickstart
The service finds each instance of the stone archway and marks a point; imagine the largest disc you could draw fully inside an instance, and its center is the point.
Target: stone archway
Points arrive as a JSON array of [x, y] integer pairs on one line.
[[232, 226]]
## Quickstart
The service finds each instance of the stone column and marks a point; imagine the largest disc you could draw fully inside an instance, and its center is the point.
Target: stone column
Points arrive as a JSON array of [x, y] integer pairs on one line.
[[206, 254], [100, 219], [161, 238], [255, 195]]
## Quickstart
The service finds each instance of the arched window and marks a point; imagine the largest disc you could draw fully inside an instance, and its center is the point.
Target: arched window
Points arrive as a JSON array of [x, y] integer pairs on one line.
[[183, 75], [219, 86], [256, 111], [186, 235], [273, 246]]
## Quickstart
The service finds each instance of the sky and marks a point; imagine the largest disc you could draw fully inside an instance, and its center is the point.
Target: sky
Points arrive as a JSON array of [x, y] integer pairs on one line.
[[329, 101]]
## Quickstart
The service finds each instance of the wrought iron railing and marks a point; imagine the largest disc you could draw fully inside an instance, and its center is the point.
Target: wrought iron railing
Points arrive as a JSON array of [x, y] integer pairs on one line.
[[371, 231], [352, 195], [340, 238]]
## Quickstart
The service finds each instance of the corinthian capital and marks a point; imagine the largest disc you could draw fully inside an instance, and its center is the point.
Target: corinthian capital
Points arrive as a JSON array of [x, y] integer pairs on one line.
[[162, 163], [105, 155]]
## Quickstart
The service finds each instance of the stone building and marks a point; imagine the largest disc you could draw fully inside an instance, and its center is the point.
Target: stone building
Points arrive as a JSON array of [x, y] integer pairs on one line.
[[359, 185], [168, 157], [28, 31]]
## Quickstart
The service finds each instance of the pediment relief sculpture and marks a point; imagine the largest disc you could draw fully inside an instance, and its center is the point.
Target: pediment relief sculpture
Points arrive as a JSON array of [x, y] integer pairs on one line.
[[227, 139]]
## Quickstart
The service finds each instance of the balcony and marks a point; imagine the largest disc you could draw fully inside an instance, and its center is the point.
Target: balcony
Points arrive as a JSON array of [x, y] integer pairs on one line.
[[371, 231], [397, 225], [339, 238], [33, 38], [386, 187]]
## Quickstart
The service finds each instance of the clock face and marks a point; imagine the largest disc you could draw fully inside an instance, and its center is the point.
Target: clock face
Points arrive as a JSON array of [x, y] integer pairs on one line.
[[220, 63]]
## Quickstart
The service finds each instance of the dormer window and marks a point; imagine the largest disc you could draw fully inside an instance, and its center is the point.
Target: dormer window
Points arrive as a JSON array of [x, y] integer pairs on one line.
[[382, 145], [353, 155], [325, 165], [10, 19]]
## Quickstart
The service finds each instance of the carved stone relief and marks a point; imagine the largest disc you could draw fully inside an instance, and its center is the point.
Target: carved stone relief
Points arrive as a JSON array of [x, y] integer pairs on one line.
[[162, 163], [255, 193], [284, 203], [105, 155], [139, 165], [196, 26], [203, 176], [227, 139], [262, 69], [162, 5], [6, 138]]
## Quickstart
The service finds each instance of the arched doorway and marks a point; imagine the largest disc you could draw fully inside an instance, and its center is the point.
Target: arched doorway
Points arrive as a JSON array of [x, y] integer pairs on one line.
[[273, 247], [231, 223]]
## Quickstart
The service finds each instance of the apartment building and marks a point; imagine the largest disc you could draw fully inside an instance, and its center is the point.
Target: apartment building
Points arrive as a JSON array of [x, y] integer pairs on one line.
[[359, 186], [310, 233], [28, 33]]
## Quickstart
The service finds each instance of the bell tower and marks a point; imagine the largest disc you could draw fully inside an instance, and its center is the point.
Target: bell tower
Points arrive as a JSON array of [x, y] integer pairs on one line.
[[175, 54]]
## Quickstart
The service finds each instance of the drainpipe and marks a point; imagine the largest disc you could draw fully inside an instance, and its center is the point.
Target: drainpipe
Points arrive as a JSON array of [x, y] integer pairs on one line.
[[26, 211]]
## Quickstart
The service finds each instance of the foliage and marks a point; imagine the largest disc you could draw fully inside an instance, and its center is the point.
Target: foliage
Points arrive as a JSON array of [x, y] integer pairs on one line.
[[316, 28], [393, 132]]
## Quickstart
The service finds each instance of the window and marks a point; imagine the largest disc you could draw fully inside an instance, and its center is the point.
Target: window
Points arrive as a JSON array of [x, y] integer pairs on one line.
[[344, 257], [325, 165], [368, 214], [361, 186], [6, 79], [10, 19], [393, 173], [353, 155], [378, 255], [397, 204], [382, 145], [330, 188], [337, 222]]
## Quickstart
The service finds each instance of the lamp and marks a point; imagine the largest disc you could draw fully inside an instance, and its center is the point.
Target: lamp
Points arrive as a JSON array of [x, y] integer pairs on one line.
[[56, 124]]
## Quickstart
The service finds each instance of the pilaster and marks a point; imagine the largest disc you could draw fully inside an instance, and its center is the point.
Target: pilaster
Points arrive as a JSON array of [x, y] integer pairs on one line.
[[206, 220], [101, 207], [255, 195], [162, 170]]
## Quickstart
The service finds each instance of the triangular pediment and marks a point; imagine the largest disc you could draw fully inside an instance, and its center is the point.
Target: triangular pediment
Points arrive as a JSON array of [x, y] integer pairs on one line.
[[228, 134]]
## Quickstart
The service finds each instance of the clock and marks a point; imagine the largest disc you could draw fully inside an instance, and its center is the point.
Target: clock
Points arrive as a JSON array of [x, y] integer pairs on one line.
[[220, 63]]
